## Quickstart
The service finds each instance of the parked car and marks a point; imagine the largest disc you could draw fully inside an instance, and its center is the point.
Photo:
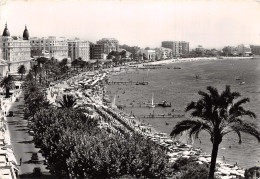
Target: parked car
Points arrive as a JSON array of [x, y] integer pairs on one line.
[[11, 114], [37, 172], [34, 157]]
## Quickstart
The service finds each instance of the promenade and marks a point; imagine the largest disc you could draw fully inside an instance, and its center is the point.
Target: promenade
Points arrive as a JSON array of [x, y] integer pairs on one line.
[[23, 145]]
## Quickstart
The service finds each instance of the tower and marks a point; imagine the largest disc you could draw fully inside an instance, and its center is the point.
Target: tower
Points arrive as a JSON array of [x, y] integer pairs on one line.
[[6, 32], [25, 34]]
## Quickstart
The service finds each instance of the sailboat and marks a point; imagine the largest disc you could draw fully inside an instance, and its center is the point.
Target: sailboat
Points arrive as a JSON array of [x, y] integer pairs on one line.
[[152, 105], [114, 102]]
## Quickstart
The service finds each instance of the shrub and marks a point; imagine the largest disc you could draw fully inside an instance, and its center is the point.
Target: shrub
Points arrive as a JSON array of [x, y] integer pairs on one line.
[[252, 172], [189, 168]]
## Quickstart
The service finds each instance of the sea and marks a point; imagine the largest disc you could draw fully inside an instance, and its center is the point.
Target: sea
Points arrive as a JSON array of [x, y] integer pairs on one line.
[[180, 86]]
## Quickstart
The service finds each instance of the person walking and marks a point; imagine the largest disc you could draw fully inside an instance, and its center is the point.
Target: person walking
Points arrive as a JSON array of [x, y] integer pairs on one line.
[[21, 161]]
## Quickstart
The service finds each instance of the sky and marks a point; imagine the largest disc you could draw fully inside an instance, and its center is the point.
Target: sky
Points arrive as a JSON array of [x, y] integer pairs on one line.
[[145, 23]]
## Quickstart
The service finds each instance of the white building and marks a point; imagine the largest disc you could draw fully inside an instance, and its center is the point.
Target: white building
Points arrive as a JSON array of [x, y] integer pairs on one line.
[[79, 48], [163, 53], [14, 51], [150, 54]]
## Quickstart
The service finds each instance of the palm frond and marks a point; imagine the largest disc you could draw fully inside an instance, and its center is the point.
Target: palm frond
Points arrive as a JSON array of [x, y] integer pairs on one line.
[[213, 92], [201, 125], [190, 106], [237, 110], [248, 128], [228, 129], [241, 101], [68, 101], [227, 96], [235, 95], [192, 125]]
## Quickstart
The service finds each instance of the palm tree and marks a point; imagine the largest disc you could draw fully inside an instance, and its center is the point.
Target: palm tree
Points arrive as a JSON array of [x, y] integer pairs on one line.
[[218, 114], [7, 83], [35, 69], [21, 70], [68, 101]]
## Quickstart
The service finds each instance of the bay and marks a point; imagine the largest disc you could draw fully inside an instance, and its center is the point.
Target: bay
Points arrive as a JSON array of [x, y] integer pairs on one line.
[[180, 86]]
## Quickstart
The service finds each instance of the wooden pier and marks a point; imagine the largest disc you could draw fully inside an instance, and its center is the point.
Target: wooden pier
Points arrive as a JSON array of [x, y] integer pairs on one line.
[[161, 116], [128, 82]]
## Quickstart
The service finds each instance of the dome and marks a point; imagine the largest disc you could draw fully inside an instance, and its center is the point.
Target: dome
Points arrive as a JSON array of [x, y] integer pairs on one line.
[[25, 34], [6, 32]]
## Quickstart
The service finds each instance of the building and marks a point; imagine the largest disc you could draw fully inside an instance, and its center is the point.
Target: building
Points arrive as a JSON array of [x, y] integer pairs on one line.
[[149, 54], [184, 47], [56, 47], [14, 51], [96, 51], [163, 53], [244, 50], [109, 45], [255, 49], [178, 47], [200, 50], [79, 49]]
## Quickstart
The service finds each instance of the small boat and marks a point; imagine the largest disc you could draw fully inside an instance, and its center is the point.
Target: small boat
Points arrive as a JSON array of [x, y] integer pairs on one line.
[[238, 78], [242, 83], [142, 83], [165, 104], [176, 67]]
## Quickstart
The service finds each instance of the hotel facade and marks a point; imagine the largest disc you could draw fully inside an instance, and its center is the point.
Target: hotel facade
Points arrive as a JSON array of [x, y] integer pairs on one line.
[[79, 49], [109, 45], [178, 47], [51, 47], [14, 51]]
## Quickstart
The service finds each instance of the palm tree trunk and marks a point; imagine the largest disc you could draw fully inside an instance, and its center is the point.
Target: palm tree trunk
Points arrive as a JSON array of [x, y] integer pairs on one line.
[[214, 155], [7, 92]]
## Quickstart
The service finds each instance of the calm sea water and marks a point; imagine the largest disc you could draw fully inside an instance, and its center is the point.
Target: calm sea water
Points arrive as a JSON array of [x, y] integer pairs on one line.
[[179, 86]]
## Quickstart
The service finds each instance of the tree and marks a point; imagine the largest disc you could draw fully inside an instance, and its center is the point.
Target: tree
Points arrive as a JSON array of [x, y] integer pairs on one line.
[[68, 101], [123, 54], [218, 114], [35, 69], [21, 70], [7, 83], [156, 57], [64, 62], [253, 172], [144, 56], [42, 60]]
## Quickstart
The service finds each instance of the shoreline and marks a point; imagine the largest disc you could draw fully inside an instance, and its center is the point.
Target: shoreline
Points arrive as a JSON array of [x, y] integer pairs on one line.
[[225, 169], [173, 61]]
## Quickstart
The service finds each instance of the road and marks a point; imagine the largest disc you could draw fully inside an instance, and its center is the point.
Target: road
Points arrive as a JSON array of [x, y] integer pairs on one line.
[[22, 143]]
